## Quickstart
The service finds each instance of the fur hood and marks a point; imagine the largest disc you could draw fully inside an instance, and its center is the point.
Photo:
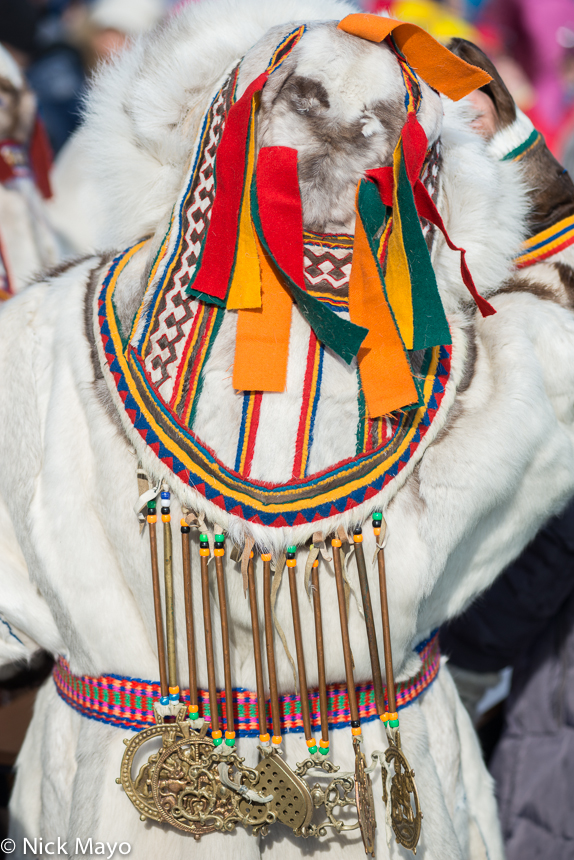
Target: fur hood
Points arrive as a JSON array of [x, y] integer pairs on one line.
[[144, 109]]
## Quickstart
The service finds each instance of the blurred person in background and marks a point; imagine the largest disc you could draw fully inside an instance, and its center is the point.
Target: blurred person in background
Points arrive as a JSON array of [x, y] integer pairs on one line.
[[526, 621], [35, 32], [27, 243], [100, 31]]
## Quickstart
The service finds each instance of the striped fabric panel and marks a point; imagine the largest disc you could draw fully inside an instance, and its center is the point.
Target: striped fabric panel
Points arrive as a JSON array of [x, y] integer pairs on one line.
[[248, 432], [128, 702], [311, 396], [546, 244]]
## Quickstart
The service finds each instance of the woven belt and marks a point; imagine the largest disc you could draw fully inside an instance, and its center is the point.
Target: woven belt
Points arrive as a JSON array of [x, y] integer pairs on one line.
[[128, 702]]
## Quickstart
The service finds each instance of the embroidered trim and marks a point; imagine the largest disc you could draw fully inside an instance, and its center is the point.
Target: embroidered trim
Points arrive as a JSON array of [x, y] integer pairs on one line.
[[128, 702], [342, 486], [546, 244]]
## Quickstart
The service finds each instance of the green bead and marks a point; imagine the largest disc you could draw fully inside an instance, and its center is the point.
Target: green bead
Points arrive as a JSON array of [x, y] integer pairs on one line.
[[312, 750], [291, 549], [229, 742], [219, 538], [217, 742], [203, 538], [152, 503], [394, 724], [324, 750], [377, 516]]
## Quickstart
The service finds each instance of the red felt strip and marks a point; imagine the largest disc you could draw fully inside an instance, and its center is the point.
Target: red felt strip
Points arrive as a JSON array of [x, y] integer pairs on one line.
[[414, 150], [280, 209], [427, 209], [217, 260], [41, 158]]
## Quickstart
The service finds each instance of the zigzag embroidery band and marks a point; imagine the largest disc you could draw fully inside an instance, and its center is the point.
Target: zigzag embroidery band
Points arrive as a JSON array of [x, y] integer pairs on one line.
[[166, 424]]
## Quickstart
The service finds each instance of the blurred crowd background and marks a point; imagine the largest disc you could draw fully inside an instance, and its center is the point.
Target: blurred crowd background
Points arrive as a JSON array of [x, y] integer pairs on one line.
[[58, 43]]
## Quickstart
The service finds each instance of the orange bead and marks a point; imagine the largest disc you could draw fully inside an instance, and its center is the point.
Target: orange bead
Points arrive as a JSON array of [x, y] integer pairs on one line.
[[216, 734], [316, 563], [356, 732], [152, 518], [276, 739], [324, 744], [311, 743], [218, 553], [336, 542], [166, 518], [173, 691], [264, 738], [265, 556], [358, 538], [377, 532], [229, 735], [204, 552], [184, 524], [291, 562]]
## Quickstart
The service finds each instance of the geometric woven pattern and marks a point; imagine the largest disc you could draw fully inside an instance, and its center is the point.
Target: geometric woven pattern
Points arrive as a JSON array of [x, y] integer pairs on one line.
[[128, 702]]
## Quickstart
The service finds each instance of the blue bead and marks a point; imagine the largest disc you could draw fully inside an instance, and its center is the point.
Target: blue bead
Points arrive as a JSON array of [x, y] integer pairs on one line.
[[174, 697], [165, 495], [164, 700]]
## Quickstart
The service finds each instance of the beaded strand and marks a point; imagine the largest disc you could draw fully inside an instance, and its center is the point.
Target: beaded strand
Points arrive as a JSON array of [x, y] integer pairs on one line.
[[207, 628], [270, 651], [189, 625], [219, 552], [352, 693], [369, 620], [169, 597], [161, 656], [390, 717], [303, 691], [323, 703]]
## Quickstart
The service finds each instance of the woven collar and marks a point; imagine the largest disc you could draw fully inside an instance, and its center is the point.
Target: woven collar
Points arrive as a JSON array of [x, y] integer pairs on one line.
[[128, 702]]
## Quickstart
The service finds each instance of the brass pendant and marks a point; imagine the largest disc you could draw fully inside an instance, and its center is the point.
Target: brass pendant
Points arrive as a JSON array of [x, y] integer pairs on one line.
[[406, 815], [139, 789], [339, 793], [365, 800], [195, 792], [292, 803]]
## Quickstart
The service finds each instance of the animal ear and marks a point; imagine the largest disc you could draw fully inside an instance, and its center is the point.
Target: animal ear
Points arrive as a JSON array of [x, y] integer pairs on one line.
[[497, 107]]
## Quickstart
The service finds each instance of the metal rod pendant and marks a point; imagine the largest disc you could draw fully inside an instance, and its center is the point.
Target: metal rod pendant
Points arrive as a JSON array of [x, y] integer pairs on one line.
[[189, 626], [261, 704], [391, 696], [369, 621], [303, 691], [320, 652], [353, 707], [169, 609], [207, 627], [219, 552], [161, 656], [269, 646]]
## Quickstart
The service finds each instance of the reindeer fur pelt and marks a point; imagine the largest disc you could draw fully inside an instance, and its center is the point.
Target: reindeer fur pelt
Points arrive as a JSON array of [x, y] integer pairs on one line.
[[74, 570]]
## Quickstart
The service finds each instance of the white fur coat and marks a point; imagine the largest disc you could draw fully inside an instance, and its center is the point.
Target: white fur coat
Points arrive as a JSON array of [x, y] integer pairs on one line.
[[74, 570]]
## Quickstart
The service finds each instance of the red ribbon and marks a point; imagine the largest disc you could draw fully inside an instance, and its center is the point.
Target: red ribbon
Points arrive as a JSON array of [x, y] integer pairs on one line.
[[415, 145]]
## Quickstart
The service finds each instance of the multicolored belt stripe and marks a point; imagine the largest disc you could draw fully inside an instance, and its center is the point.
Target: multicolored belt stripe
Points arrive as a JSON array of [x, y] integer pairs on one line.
[[128, 702]]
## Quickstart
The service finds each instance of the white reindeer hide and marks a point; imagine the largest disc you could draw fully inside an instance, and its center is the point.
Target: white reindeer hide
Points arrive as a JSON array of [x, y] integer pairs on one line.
[[74, 569]]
